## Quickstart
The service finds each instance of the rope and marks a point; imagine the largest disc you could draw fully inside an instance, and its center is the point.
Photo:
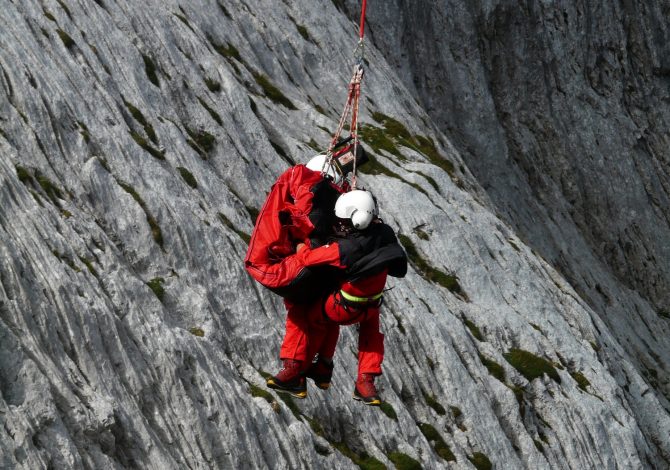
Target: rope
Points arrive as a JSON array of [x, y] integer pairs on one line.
[[361, 31], [353, 99]]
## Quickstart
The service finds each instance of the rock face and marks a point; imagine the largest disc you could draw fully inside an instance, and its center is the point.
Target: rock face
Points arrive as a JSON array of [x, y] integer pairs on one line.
[[521, 152]]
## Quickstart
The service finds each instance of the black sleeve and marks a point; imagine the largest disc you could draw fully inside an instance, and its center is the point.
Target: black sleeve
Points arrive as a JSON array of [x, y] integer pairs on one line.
[[322, 214]]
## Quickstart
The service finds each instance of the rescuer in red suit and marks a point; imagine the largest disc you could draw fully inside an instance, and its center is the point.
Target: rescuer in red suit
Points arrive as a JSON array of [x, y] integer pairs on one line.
[[298, 210]]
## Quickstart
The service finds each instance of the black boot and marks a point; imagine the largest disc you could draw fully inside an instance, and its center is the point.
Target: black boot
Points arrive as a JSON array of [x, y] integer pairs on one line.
[[321, 371]]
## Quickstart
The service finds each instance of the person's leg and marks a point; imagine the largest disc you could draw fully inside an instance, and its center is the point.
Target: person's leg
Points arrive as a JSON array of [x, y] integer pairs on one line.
[[329, 344], [323, 335], [294, 344], [370, 344], [293, 352], [370, 358], [359, 302]]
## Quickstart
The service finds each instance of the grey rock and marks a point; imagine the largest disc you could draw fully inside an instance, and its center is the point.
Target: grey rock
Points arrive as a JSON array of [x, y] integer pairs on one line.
[[130, 333]]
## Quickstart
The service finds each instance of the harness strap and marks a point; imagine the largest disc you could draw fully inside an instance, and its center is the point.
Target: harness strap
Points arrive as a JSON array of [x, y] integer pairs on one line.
[[353, 298]]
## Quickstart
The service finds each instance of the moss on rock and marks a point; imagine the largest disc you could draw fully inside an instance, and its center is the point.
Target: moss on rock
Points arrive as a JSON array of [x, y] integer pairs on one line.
[[531, 366]]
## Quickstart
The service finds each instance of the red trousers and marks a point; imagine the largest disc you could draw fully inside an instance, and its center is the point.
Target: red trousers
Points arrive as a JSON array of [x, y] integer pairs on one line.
[[315, 328]]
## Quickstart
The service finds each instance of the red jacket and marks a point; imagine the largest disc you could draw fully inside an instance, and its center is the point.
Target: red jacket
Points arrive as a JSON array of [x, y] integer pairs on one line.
[[288, 217]]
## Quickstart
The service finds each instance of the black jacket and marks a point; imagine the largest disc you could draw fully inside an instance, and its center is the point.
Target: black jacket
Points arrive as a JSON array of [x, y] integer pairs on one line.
[[370, 251]]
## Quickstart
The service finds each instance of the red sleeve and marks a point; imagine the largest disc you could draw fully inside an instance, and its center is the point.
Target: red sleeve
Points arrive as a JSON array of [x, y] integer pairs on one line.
[[326, 254]]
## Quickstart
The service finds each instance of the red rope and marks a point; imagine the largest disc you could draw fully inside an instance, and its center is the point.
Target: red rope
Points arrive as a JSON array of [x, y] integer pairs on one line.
[[361, 32], [352, 103]]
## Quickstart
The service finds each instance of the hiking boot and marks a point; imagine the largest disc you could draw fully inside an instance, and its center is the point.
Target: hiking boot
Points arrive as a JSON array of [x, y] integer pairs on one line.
[[320, 371], [366, 391], [289, 379]]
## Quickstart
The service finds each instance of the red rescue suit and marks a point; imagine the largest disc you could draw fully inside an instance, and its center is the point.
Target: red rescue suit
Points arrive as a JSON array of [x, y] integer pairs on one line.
[[300, 206], [356, 302], [370, 256]]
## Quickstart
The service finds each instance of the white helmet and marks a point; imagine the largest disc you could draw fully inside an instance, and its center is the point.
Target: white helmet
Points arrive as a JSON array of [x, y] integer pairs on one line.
[[320, 163], [357, 205]]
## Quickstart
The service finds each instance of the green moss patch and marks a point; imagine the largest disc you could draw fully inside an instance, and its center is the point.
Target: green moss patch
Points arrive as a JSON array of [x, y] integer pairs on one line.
[[188, 177], [153, 224], [49, 187], [139, 117], [428, 272], [225, 221], [480, 461], [426, 146], [68, 42], [388, 410], [150, 70], [531, 366], [392, 126], [363, 460], [24, 175], [156, 285], [228, 50], [303, 32], [83, 130], [434, 437], [212, 85], [146, 146], [495, 369], [257, 391], [89, 265], [474, 329], [314, 145], [376, 138], [195, 331], [67, 260], [419, 232], [393, 133], [290, 403], [65, 9], [374, 167], [434, 404], [582, 381], [201, 141], [48, 15], [272, 92], [403, 461], [211, 112]]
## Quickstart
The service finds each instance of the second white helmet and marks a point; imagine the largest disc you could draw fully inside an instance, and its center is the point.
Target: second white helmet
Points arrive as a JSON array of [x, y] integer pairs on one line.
[[357, 205], [320, 163]]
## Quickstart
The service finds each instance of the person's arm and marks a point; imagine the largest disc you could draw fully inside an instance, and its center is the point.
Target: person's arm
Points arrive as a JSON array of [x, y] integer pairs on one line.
[[326, 254]]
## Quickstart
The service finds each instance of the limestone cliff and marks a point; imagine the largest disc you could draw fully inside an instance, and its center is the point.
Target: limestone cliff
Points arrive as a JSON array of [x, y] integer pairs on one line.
[[521, 153]]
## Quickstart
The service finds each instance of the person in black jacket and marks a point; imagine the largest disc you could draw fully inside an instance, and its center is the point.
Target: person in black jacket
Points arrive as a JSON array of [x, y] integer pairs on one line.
[[370, 252]]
